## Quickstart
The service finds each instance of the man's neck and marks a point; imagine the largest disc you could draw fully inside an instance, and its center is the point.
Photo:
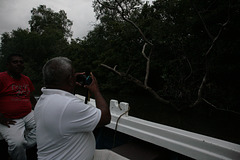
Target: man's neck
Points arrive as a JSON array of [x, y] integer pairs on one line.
[[64, 88], [14, 76]]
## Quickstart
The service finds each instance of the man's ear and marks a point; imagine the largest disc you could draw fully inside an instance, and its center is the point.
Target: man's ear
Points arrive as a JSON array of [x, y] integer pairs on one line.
[[71, 81]]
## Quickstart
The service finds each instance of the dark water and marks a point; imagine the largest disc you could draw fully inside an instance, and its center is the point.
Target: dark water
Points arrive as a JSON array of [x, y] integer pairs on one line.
[[202, 119]]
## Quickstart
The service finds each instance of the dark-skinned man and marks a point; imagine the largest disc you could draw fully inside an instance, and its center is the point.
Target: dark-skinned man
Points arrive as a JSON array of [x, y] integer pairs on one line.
[[17, 125]]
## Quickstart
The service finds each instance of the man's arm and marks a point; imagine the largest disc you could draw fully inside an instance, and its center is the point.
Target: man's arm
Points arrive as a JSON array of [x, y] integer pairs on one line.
[[100, 102], [33, 101], [102, 105]]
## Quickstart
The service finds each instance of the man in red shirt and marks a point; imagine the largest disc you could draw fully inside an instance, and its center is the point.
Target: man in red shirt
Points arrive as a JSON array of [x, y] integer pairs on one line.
[[17, 125]]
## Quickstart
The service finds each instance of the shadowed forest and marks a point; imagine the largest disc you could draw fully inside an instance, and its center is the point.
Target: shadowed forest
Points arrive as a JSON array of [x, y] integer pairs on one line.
[[175, 62]]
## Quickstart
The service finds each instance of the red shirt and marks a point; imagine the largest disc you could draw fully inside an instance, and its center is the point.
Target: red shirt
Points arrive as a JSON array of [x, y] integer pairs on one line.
[[15, 96]]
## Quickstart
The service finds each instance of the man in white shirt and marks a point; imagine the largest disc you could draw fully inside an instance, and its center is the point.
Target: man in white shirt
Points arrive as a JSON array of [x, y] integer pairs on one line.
[[64, 122]]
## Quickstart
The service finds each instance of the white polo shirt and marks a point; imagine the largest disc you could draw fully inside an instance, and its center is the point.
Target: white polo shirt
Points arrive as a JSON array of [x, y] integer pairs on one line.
[[64, 126]]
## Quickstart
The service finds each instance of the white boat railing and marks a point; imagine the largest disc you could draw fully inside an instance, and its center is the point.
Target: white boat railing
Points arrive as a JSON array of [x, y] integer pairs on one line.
[[187, 143]]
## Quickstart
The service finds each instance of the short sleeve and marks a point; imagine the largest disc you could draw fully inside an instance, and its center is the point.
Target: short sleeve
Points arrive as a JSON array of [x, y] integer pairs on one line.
[[79, 117]]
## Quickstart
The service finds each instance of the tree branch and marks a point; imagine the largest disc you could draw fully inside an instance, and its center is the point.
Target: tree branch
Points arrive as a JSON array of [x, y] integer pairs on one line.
[[214, 39], [225, 110], [200, 91], [122, 14], [130, 78]]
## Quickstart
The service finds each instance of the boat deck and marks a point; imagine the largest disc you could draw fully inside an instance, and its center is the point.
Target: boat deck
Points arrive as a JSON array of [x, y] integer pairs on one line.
[[133, 148]]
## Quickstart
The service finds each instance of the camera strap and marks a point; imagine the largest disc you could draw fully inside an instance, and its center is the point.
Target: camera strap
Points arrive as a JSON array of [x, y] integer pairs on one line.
[[87, 98]]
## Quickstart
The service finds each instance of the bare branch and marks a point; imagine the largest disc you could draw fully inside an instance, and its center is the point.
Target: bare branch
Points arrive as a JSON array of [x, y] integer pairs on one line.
[[190, 66], [139, 30], [207, 30], [214, 39], [203, 22], [147, 64], [122, 14], [217, 36], [143, 51], [200, 91], [147, 68], [125, 76], [140, 84], [225, 110], [121, 11], [129, 77]]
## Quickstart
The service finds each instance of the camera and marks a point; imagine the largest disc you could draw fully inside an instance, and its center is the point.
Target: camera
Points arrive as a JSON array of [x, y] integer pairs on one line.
[[84, 79]]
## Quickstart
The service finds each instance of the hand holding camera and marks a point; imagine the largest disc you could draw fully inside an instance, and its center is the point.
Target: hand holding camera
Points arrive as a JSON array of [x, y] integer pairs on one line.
[[89, 82], [83, 78]]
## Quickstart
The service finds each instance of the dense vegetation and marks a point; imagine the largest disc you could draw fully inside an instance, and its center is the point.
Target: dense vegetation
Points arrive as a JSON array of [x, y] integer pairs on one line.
[[184, 53]]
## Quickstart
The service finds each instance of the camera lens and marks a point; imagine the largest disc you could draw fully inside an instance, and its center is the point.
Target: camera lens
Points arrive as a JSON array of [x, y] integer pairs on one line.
[[88, 80], [83, 79]]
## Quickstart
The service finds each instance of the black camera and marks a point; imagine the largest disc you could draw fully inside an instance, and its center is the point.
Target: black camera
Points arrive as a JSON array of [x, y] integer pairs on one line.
[[84, 79]]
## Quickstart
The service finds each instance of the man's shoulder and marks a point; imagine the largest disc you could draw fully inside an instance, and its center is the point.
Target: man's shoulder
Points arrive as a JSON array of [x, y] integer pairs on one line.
[[3, 74], [24, 76]]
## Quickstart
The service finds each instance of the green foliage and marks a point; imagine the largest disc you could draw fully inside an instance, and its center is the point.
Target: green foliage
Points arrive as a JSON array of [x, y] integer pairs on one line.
[[174, 27], [45, 20], [12, 43]]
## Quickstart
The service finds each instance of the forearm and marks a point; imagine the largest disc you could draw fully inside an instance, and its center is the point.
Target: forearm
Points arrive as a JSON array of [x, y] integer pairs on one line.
[[103, 106], [33, 101], [100, 102]]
